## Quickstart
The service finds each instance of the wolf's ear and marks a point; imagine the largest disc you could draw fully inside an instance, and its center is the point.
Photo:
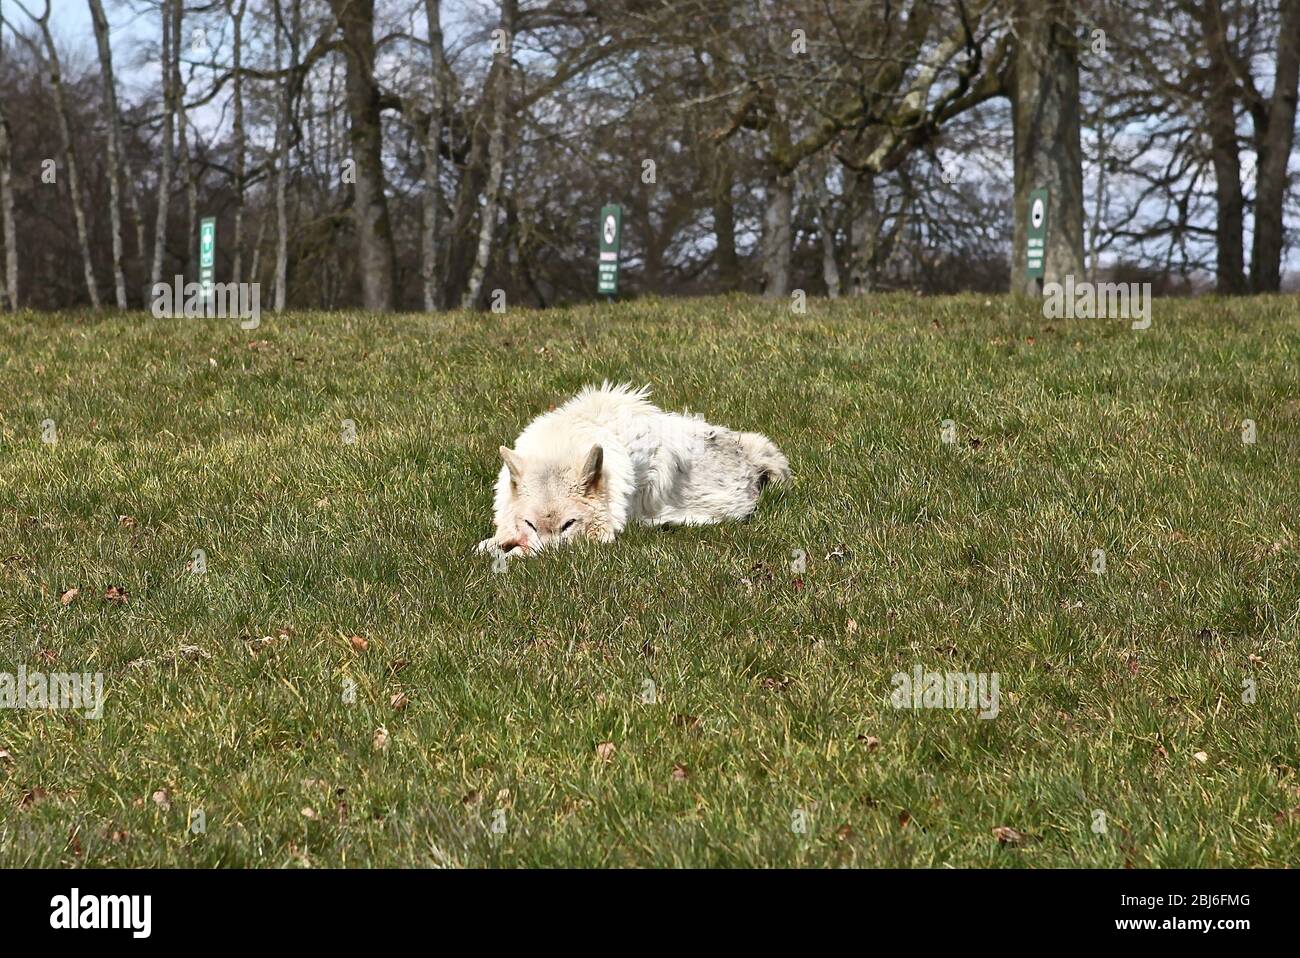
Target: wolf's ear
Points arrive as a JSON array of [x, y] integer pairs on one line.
[[589, 474], [513, 463]]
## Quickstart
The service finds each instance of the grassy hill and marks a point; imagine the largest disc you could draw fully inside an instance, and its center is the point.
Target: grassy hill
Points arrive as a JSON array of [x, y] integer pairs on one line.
[[715, 696]]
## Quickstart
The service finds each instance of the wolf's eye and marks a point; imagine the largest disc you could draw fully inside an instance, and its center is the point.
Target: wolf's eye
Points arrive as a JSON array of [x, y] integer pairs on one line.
[[567, 524], [530, 525]]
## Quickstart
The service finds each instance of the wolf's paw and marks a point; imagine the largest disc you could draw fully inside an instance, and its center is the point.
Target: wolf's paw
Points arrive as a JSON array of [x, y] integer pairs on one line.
[[495, 548]]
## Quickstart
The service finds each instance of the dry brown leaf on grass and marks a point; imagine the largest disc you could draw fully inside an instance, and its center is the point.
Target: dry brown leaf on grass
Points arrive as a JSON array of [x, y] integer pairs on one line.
[[126, 522], [68, 596], [399, 700], [163, 799], [870, 741], [844, 832], [115, 593], [381, 739], [1007, 835], [358, 643], [309, 813], [679, 773], [605, 751]]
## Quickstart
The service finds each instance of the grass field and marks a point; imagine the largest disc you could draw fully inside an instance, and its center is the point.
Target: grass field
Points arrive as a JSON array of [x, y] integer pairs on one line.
[[517, 724]]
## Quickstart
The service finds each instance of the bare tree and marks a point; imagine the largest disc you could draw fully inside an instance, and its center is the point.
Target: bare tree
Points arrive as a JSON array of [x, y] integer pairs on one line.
[[236, 11], [432, 149], [824, 203], [503, 40], [281, 168], [1221, 116], [878, 85], [169, 53], [69, 146], [100, 22], [7, 195], [183, 141], [374, 235], [1048, 155], [724, 218], [1274, 142]]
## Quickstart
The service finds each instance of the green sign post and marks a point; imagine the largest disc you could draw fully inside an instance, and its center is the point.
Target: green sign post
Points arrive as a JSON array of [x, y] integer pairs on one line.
[[611, 238], [1036, 235], [207, 255]]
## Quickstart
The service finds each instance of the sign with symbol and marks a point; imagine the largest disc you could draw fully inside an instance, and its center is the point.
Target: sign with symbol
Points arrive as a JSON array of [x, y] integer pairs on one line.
[[1036, 235], [611, 235], [207, 254]]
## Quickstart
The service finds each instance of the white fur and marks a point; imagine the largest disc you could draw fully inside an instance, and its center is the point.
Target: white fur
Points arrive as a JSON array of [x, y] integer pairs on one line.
[[658, 467]]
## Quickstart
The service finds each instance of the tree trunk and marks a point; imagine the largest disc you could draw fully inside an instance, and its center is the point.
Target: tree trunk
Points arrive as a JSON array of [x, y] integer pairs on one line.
[[1045, 110], [1099, 199], [137, 217], [432, 196], [241, 161], [7, 199], [1221, 118], [654, 240], [826, 227], [777, 234], [458, 258], [281, 175], [7, 213], [100, 22], [165, 169], [724, 221], [863, 229], [496, 154], [256, 271], [375, 251], [1270, 191], [190, 267]]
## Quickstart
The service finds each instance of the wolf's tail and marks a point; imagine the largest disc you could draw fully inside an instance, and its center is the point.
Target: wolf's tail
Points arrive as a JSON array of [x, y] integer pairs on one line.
[[762, 452]]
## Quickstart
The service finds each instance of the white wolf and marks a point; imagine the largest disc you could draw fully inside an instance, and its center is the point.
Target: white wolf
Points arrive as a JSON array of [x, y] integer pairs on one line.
[[608, 457]]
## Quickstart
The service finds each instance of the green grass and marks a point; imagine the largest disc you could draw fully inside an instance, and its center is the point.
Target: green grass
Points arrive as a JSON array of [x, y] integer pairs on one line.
[[973, 556]]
